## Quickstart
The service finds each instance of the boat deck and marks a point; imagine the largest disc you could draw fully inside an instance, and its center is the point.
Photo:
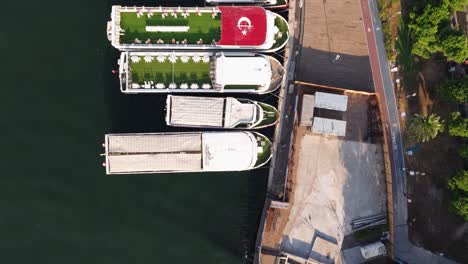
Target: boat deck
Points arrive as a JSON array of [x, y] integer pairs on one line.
[[182, 70], [139, 27]]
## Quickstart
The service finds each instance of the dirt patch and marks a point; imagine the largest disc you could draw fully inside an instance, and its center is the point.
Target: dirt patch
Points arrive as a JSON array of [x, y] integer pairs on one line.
[[337, 181], [425, 102], [431, 225]]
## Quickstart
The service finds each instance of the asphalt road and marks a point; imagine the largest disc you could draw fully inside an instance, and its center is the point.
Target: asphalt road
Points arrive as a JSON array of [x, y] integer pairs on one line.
[[404, 249]]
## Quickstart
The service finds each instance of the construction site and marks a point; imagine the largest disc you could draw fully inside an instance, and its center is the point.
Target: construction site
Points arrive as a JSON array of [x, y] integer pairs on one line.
[[336, 179]]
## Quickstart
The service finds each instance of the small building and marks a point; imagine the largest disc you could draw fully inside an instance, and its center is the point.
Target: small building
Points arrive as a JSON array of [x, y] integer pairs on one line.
[[329, 126], [330, 101], [373, 250], [307, 110]]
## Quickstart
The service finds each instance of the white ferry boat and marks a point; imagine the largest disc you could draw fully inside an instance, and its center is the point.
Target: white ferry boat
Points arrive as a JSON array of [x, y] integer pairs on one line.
[[194, 28], [198, 72], [185, 152], [217, 112]]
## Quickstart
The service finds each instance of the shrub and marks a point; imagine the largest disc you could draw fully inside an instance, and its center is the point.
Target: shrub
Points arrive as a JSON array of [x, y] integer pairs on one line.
[[458, 126], [459, 185], [463, 152], [459, 181], [459, 205], [454, 91]]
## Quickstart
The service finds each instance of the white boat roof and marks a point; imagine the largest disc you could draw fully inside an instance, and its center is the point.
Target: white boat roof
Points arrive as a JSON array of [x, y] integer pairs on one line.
[[181, 152], [208, 111], [331, 101], [238, 113], [243, 70], [229, 151]]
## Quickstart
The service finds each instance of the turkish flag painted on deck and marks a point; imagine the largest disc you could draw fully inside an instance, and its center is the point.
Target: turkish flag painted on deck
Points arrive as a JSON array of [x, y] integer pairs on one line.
[[243, 25]]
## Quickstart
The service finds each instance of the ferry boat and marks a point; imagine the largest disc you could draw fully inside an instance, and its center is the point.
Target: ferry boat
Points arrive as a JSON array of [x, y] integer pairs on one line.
[[185, 152], [269, 4], [217, 112], [197, 28], [198, 72]]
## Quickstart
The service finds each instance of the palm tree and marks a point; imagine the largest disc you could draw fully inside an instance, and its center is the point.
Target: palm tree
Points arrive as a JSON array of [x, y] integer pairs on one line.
[[425, 128], [404, 47]]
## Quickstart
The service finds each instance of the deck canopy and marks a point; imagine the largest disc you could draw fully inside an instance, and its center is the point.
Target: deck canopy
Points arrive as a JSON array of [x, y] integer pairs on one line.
[[195, 111], [208, 111], [243, 70], [139, 153]]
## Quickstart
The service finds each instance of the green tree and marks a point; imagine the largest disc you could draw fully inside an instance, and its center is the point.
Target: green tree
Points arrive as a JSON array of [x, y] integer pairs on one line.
[[425, 27], [458, 126], [426, 128], [454, 45], [459, 205], [430, 23], [454, 91], [459, 181]]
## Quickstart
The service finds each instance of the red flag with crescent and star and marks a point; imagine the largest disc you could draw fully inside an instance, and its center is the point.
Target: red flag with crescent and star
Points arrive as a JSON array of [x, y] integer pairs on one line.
[[243, 26]]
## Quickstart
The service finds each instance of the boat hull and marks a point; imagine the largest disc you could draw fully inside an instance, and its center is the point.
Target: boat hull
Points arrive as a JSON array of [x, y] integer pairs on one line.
[[269, 46], [265, 121], [277, 74], [132, 149]]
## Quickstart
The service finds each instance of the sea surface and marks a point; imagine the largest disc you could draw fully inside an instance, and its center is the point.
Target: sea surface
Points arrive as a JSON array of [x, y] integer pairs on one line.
[[59, 98]]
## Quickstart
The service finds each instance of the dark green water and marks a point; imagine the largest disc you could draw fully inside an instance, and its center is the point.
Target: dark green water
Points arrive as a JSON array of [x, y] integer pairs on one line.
[[57, 205]]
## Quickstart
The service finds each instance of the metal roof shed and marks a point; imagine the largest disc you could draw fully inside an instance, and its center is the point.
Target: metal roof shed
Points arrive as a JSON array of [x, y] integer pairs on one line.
[[307, 110], [329, 126], [331, 101]]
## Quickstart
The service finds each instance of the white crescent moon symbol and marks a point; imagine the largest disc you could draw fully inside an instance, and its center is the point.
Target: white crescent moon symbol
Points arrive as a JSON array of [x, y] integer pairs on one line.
[[244, 19]]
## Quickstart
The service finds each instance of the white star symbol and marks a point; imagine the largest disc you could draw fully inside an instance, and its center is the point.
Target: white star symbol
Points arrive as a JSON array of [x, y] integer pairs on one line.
[[244, 32]]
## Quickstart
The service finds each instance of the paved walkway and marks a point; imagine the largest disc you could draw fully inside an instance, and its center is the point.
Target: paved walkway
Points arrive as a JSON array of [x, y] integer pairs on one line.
[[334, 48], [287, 107], [404, 250]]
